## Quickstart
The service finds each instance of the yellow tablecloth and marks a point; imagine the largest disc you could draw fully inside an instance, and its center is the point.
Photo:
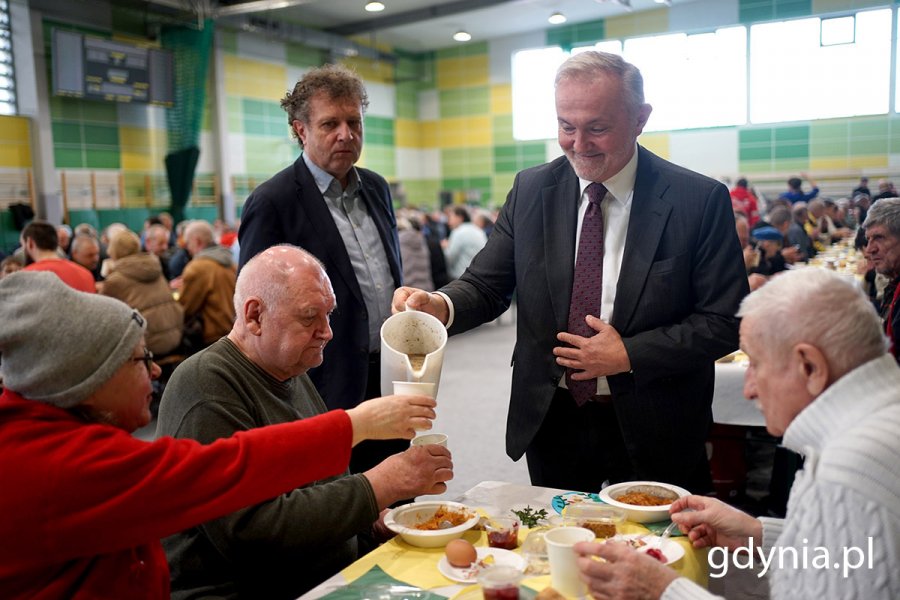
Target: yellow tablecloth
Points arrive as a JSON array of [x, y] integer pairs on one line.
[[418, 566]]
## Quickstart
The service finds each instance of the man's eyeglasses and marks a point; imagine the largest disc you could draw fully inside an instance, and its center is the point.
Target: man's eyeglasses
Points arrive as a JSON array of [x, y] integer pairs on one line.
[[147, 359]]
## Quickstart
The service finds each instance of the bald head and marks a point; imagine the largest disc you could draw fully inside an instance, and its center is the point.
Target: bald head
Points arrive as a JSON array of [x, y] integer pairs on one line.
[[273, 274], [201, 231], [283, 300]]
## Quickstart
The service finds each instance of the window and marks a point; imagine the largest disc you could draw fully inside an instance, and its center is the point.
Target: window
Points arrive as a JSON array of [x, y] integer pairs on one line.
[[801, 69], [839, 30], [691, 81], [695, 80], [808, 68], [533, 104], [897, 75], [7, 79]]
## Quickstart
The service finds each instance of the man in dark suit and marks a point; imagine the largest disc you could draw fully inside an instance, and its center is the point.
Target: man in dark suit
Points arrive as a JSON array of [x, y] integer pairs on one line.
[[671, 273], [342, 215]]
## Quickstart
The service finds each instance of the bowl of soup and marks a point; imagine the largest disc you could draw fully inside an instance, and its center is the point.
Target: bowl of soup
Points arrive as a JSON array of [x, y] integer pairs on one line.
[[643, 501]]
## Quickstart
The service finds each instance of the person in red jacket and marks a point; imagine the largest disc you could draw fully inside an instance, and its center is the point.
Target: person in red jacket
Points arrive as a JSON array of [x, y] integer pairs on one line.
[[749, 206], [84, 503]]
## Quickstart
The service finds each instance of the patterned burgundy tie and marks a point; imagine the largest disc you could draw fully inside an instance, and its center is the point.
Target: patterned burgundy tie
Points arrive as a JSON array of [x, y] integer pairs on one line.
[[587, 284]]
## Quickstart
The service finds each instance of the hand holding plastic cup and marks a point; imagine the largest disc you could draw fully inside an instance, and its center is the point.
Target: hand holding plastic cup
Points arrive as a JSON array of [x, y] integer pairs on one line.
[[563, 564], [415, 388]]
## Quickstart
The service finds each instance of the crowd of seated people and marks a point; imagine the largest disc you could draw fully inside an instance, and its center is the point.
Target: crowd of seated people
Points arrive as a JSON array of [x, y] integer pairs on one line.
[[187, 306], [83, 256], [808, 228]]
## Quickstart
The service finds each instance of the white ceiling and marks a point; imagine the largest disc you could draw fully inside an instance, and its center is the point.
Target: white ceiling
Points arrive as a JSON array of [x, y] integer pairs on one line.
[[502, 19]]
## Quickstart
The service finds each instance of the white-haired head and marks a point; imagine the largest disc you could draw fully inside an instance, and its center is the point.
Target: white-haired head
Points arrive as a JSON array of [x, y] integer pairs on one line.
[[588, 64], [817, 307]]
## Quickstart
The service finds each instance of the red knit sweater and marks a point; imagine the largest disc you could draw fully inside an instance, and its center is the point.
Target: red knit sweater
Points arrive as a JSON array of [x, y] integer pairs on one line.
[[82, 507]]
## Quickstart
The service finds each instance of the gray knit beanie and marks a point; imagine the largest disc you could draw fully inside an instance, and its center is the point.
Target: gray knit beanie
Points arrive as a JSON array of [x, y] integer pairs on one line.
[[59, 345]]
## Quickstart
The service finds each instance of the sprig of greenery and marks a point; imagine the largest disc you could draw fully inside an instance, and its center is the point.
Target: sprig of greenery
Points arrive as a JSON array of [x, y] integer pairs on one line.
[[529, 516]]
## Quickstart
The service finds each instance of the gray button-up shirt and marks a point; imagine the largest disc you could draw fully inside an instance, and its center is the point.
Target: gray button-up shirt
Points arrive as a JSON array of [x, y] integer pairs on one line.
[[363, 242]]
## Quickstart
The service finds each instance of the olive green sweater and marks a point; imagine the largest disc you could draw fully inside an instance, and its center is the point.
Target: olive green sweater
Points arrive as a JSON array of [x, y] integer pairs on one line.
[[278, 549]]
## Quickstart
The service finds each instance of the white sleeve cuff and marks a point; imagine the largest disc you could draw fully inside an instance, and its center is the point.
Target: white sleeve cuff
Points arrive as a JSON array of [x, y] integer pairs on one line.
[[771, 530], [449, 308]]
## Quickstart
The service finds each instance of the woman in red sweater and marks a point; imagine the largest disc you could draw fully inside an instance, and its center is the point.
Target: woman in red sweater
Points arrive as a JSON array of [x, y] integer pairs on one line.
[[83, 503]]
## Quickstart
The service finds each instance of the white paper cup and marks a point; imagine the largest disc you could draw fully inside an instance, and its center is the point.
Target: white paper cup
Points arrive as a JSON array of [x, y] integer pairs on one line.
[[430, 438], [563, 567], [414, 388]]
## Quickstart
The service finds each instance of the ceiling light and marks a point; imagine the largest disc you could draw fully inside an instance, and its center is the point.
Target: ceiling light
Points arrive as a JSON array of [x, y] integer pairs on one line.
[[666, 2], [462, 36], [557, 18], [374, 6]]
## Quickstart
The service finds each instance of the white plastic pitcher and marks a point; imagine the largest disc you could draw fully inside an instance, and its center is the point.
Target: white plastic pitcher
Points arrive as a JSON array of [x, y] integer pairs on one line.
[[411, 332]]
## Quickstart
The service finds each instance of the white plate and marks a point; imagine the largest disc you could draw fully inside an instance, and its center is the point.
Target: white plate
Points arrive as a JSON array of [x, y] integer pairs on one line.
[[673, 551], [503, 557]]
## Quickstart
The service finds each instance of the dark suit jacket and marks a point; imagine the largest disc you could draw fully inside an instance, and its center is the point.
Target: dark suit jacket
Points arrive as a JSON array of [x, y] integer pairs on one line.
[[681, 281], [288, 208]]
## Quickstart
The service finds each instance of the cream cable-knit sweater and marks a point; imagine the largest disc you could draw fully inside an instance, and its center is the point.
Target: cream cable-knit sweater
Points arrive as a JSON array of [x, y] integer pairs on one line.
[[847, 493]]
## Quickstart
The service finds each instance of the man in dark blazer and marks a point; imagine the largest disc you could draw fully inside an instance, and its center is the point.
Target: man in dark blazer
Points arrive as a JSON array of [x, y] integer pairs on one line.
[[672, 279], [342, 215]]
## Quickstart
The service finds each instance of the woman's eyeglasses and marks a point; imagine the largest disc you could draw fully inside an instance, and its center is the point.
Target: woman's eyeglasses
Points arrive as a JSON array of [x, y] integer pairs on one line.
[[147, 359]]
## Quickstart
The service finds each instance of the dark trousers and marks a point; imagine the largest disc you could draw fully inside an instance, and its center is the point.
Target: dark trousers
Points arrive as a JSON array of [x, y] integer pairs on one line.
[[578, 447], [369, 453]]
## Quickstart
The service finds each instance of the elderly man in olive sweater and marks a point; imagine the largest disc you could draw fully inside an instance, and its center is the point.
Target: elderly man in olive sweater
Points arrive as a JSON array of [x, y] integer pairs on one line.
[[254, 377]]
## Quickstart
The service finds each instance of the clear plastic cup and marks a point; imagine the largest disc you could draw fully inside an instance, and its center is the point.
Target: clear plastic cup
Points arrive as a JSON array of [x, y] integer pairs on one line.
[[534, 551], [502, 532], [500, 582], [603, 520]]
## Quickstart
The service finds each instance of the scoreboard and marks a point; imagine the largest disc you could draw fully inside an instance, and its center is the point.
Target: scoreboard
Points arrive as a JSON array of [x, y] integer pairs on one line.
[[100, 69]]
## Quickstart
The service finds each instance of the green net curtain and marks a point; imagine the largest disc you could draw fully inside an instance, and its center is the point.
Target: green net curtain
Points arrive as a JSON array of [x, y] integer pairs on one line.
[[192, 49]]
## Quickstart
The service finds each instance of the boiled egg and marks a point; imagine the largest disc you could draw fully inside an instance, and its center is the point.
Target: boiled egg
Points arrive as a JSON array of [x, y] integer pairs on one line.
[[460, 553]]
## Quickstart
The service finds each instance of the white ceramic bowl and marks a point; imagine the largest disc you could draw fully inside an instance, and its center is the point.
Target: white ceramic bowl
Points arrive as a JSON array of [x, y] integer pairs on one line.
[[402, 521], [640, 514]]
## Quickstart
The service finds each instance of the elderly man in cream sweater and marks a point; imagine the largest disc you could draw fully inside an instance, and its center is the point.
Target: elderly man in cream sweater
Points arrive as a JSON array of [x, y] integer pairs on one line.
[[834, 394]]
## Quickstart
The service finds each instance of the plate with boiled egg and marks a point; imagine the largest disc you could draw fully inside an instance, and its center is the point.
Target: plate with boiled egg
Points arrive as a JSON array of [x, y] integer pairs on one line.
[[462, 561]]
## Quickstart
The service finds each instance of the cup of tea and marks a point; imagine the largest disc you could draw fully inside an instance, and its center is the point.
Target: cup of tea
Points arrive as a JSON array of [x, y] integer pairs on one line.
[[563, 564], [430, 438]]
